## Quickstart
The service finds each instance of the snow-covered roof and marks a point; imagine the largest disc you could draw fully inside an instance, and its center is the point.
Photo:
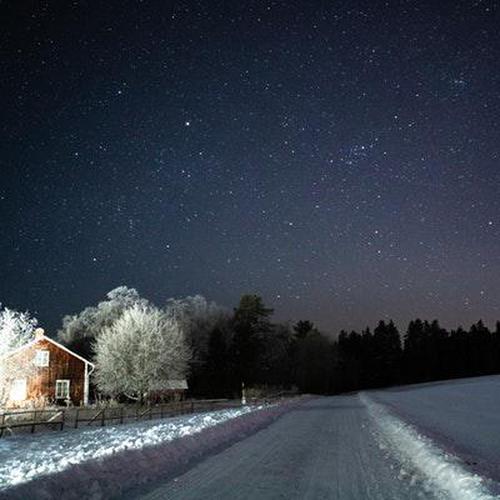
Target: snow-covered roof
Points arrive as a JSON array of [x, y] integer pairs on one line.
[[176, 384], [172, 385], [41, 337]]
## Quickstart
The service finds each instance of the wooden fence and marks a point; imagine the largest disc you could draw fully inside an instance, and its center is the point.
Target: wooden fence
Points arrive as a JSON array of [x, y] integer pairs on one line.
[[63, 418]]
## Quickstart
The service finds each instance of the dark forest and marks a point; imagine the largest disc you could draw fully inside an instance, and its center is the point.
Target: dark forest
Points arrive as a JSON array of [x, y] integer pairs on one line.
[[249, 348]]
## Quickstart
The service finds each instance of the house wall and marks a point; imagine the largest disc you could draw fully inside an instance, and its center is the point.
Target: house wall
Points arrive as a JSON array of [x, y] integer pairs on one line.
[[62, 365]]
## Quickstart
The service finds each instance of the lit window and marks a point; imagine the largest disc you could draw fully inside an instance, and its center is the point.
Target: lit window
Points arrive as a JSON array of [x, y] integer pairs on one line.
[[42, 358], [18, 390], [62, 389]]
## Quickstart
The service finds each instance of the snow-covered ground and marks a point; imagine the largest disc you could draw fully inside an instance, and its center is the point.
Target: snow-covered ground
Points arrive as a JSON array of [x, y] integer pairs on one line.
[[461, 416], [359, 447], [23, 458], [419, 457], [437, 441]]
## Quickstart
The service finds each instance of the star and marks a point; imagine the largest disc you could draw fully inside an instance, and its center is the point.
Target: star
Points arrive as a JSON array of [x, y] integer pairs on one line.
[[338, 164]]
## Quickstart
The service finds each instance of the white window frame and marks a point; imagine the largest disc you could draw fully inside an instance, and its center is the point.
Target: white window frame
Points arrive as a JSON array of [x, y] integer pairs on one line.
[[42, 358], [62, 389]]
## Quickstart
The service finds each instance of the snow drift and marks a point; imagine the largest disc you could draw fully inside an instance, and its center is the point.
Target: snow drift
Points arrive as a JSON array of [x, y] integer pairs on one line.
[[444, 473]]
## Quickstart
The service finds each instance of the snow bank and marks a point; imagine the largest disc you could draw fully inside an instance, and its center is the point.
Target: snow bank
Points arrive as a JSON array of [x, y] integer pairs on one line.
[[120, 467], [443, 471], [462, 415], [24, 458]]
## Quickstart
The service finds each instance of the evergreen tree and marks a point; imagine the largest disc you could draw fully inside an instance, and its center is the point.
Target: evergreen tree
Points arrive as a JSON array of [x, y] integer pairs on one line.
[[251, 324], [302, 328], [387, 354], [496, 348], [349, 360], [276, 357], [219, 382], [315, 364]]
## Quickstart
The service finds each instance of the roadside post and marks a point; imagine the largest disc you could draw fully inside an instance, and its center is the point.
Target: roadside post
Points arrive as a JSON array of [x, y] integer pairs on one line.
[[243, 394]]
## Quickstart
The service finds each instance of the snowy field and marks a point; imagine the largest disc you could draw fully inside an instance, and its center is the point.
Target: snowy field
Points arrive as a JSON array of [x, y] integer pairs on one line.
[[23, 458], [460, 416]]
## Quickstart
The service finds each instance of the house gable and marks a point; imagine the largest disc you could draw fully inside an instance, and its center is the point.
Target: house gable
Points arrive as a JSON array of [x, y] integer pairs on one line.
[[43, 338], [54, 363]]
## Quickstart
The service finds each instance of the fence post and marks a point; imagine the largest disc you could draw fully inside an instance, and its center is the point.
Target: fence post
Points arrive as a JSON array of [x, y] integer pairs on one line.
[[76, 417], [103, 417], [121, 414], [34, 422], [63, 414]]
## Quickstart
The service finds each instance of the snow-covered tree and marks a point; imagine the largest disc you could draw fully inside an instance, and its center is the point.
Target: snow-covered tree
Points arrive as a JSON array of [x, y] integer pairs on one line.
[[139, 352], [16, 329], [80, 330], [197, 318], [200, 320]]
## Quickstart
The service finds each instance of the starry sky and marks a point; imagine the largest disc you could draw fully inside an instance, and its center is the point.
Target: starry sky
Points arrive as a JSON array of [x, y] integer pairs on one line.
[[339, 158]]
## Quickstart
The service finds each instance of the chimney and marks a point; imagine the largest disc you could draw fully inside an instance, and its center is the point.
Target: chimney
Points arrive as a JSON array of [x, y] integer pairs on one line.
[[39, 333]]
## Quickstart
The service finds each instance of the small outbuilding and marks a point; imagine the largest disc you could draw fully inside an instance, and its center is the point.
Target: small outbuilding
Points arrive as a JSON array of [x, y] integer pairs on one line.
[[171, 390], [46, 372]]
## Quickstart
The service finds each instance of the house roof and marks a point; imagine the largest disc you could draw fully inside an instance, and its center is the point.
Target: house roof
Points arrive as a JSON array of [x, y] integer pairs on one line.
[[171, 385], [176, 384], [41, 337]]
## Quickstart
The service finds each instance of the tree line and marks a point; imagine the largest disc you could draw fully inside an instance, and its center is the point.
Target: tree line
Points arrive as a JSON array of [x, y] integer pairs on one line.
[[250, 348], [137, 347], [261, 353], [425, 352]]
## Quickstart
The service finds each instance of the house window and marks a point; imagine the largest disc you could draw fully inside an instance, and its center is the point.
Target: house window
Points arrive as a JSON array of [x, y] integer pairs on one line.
[[62, 389], [42, 358], [18, 390]]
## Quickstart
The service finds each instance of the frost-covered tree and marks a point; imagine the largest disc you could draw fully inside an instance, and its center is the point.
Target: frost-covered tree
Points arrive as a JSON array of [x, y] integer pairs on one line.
[[139, 352], [16, 329], [80, 330], [197, 318]]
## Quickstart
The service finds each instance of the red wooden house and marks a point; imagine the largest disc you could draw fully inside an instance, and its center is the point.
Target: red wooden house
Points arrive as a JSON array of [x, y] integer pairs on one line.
[[46, 371]]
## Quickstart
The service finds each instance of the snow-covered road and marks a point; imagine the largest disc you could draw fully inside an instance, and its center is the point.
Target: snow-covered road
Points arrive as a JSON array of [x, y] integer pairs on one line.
[[343, 447], [324, 449]]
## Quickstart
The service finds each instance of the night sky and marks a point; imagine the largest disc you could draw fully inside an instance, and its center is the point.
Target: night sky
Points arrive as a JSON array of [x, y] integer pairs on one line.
[[339, 158]]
